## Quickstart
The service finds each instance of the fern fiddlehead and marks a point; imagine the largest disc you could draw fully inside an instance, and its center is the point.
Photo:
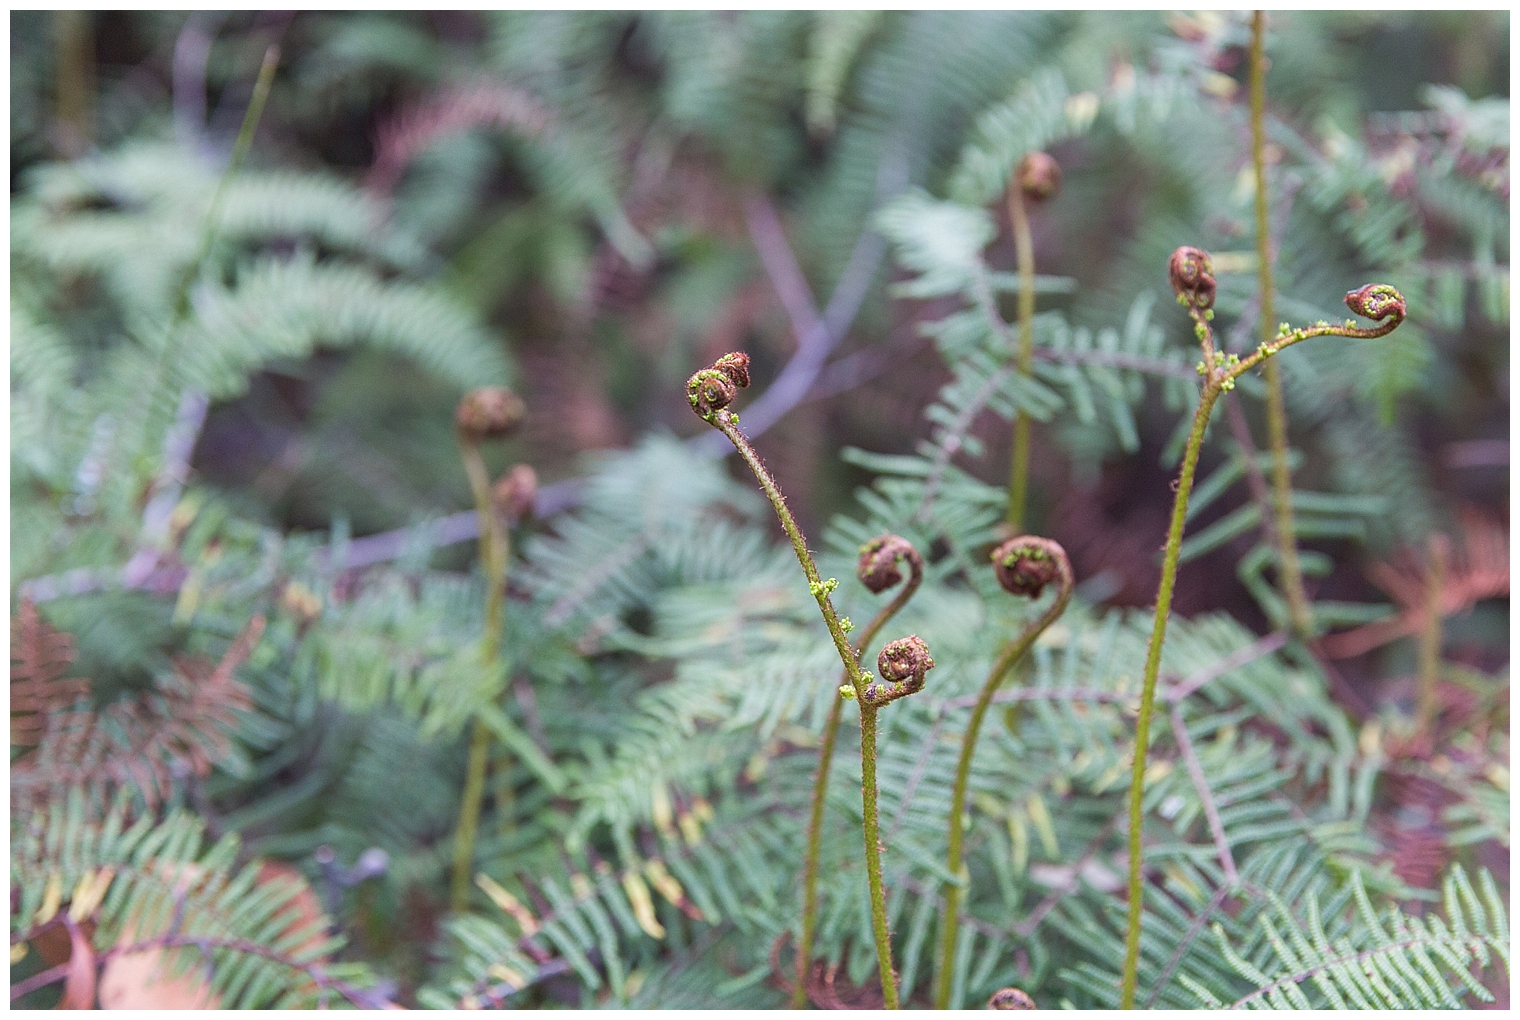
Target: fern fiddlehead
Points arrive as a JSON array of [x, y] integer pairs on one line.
[[878, 570], [1011, 998], [709, 392], [1037, 179], [1192, 277], [488, 412], [1024, 566]]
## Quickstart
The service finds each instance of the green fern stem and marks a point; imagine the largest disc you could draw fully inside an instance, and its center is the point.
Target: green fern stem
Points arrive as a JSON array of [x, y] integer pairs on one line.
[[821, 787], [954, 863], [1211, 394], [815, 839], [1290, 571], [1192, 277], [872, 826], [240, 149], [494, 552], [1018, 475], [728, 423]]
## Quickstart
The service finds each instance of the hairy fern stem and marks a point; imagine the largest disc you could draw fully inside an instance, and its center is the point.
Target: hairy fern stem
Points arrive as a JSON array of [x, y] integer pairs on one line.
[[1011, 654], [821, 784], [710, 391], [728, 425], [1192, 277]]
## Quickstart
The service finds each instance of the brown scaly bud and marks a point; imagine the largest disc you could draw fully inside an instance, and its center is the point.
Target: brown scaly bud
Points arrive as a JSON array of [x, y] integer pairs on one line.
[[713, 389], [878, 568], [489, 412], [1376, 301], [1025, 565], [736, 366], [514, 493], [1192, 274], [1011, 998], [1038, 176], [902, 665], [904, 658]]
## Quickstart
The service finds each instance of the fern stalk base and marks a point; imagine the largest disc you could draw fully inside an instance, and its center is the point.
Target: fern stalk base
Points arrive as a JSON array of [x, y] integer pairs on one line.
[[494, 552], [954, 863], [1211, 393], [821, 785], [728, 424]]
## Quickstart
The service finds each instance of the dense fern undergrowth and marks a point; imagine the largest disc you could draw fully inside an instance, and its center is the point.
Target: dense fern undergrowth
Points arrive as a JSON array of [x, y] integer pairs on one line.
[[259, 683]]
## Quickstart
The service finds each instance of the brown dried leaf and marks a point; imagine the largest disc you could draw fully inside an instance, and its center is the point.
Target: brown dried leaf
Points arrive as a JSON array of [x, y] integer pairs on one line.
[[40, 655], [137, 744], [1477, 570]]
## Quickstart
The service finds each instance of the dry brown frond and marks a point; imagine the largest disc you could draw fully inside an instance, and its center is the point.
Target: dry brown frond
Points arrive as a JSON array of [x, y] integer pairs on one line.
[[40, 656], [178, 729], [1478, 569]]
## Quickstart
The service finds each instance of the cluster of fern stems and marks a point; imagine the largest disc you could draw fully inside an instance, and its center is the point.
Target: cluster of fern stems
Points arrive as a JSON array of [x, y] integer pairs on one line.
[[1025, 564], [1192, 278]]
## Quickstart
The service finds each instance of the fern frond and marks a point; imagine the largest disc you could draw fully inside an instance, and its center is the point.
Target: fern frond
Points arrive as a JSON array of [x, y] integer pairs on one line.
[[1397, 962]]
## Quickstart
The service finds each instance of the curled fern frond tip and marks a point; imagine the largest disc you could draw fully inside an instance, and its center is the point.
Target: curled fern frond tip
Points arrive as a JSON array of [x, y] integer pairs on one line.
[[489, 412], [735, 365], [1191, 273], [1011, 998], [712, 389], [903, 665], [904, 658], [1377, 301], [1038, 176], [1026, 564], [878, 569]]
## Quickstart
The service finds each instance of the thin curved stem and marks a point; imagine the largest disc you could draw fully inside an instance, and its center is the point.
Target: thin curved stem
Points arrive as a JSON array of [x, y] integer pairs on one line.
[[1219, 374], [815, 838], [954, 864], [1018, 475], [494, 552], [821, 787], [1286, 340], [1211, 393], [727, 423], [1289, 570]]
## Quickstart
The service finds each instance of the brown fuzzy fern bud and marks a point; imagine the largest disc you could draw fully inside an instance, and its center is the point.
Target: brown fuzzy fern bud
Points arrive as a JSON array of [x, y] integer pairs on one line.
[[878, 568], [1011, 998], [902, 665], [1025, 565], [1191, 272], [1377, 301], [904, 658], [735, 365], [713, 389], [488, 412], [514, 493], [1038, 176]]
